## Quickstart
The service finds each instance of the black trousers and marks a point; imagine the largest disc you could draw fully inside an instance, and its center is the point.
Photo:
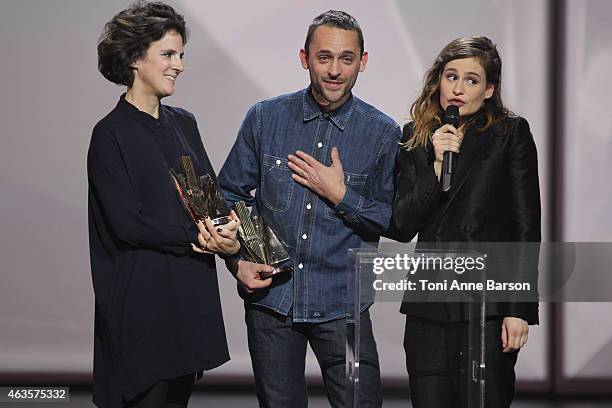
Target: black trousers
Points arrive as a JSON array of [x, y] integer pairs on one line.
[[170, 393], [438, 366]]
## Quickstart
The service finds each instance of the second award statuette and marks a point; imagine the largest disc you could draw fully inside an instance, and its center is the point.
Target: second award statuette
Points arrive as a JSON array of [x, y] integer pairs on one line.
[[261, 243]]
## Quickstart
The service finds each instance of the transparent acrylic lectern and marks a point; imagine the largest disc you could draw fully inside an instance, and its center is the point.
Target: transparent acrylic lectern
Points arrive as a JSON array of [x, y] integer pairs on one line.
[[362, 292]]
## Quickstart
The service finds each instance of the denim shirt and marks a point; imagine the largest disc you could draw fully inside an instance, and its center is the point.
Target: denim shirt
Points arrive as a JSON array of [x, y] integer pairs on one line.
[[316, 233]]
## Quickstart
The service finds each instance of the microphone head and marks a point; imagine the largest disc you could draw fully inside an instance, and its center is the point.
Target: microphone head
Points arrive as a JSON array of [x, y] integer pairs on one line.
[[451, 116]]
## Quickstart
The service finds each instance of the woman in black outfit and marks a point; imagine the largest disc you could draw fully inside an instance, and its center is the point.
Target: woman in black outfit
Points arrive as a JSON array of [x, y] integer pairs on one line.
[[495, 198], [158, 321]]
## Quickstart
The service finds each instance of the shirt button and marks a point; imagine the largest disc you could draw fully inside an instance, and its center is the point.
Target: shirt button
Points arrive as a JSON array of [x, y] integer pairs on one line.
[[304, 236], [308, 206], [278, 162], [301, 265], [320, 144]]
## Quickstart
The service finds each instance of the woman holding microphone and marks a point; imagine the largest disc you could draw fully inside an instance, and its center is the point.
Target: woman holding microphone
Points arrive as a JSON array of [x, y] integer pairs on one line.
[[494, 198]]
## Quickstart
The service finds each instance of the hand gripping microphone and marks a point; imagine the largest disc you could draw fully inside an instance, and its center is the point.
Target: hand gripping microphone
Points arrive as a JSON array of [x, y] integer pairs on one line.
[[451, 117]]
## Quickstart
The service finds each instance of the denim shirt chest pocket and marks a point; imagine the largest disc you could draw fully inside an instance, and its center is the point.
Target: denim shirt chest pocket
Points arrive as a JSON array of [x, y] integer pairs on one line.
[[355, 182], [276, 183]]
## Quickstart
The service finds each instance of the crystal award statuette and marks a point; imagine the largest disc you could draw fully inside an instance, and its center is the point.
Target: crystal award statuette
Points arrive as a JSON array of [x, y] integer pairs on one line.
[[199, 195], [261, 243]]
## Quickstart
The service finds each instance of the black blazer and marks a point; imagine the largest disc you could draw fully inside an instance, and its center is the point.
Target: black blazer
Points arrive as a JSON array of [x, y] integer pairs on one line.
[[495, 198]]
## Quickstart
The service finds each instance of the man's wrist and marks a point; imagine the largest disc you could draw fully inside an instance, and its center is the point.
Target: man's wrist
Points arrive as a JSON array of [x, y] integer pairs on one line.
[[231, 262], [338, 199]]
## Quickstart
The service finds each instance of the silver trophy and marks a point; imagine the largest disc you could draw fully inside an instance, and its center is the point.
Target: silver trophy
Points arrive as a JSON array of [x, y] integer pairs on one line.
[[261, 243], [199, 194]]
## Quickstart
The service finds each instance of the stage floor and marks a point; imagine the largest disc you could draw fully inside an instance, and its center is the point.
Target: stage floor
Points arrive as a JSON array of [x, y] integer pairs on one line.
[[81, 398]]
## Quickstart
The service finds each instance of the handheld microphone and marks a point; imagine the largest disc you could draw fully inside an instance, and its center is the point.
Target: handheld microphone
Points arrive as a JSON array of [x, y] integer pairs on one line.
[[451, 117]]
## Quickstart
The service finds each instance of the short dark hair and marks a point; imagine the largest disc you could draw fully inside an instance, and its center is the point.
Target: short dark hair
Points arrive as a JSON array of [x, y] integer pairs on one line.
[[128, 35], [334, 18]]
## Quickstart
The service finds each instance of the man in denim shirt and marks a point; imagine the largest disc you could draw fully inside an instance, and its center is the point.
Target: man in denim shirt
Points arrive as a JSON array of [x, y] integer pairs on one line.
[[321, 163]]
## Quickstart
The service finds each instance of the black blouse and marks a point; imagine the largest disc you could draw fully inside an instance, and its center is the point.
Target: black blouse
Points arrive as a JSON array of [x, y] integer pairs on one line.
[[157, 306]]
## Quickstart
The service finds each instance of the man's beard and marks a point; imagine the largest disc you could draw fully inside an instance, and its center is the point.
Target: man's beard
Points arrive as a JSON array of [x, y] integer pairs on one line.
[[328, 98]]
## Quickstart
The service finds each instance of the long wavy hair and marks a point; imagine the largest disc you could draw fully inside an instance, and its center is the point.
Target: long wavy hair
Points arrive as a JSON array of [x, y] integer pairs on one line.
[[426, 111]]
